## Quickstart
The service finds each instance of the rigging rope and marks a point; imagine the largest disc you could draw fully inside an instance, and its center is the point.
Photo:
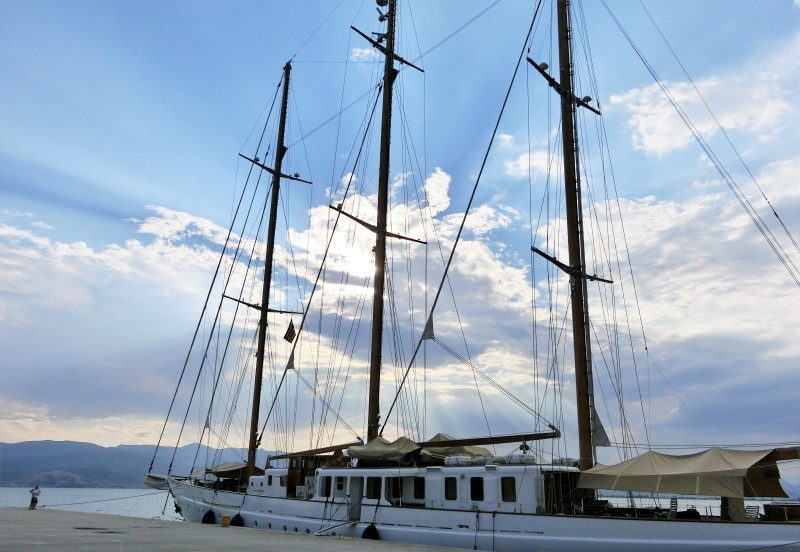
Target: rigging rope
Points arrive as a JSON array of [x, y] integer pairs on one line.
[[478, 372], [208, 295], [316, 281], [466, 213], [759, 222], [151, 493], [721, 128]]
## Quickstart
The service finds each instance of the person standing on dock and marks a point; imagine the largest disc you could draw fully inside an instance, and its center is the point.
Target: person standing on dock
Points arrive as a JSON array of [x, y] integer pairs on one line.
[[35, 492]]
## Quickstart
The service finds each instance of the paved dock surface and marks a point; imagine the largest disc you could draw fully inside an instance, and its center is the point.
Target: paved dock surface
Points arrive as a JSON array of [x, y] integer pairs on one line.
[[23, 530]]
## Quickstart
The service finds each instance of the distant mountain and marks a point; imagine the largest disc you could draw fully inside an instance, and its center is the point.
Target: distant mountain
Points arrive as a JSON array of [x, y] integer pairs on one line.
[[75, 464]]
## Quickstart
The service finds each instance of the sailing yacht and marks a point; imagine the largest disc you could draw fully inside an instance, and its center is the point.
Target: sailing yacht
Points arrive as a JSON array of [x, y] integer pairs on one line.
[[451, 491]]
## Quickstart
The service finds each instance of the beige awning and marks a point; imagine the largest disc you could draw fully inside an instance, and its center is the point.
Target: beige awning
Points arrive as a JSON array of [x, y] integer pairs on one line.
[[715, 472], [404, 449], [381, 449], [443, 452]]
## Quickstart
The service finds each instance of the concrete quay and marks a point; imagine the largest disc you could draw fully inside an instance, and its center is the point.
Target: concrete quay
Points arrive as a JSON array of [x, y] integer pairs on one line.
[[40, 530]]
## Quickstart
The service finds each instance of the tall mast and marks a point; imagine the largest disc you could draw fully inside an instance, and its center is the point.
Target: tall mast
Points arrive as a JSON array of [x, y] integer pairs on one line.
[[280, 151], [389, 74], [580, 311]]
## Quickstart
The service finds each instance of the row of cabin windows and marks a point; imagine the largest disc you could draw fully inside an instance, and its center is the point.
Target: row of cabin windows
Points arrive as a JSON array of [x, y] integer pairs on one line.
[[508, 488], [269, 481]]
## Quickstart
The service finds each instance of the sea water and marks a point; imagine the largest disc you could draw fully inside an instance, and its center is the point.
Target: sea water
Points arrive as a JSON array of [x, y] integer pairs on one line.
[[141, 503]]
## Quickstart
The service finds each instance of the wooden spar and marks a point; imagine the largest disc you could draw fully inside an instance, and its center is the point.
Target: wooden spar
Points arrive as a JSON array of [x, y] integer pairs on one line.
[[469, 441], [493, 440], [262, 323], [389, 73], [572, 200], [316, 451]]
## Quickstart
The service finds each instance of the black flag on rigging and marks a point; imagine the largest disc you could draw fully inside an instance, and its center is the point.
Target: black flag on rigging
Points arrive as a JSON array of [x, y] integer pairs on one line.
[[290, 332]]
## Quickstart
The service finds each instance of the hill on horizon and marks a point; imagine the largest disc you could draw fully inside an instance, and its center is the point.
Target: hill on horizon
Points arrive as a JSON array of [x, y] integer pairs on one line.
[[78, 464]]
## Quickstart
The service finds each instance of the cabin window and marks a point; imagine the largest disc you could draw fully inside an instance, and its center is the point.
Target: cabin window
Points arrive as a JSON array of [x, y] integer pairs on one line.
[[419, 488], [373, 487], [450, 488], [476, 488], [508, 489], [340, 483], [269, 480], [325, 486], [356, 488], [393, 490]]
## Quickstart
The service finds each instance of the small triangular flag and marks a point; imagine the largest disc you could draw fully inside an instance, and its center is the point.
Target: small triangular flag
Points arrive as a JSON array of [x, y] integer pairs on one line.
[[428, 332]]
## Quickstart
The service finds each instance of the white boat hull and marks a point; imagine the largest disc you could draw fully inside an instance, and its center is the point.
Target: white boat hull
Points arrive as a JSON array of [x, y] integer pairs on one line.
[[501, 531]]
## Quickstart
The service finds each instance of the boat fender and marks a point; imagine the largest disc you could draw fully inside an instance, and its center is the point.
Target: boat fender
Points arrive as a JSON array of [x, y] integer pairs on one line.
[[237, 521], [371, 532], [209, 517]]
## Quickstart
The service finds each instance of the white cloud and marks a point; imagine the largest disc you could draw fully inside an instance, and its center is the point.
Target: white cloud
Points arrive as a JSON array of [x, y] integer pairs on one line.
[[437, 186], [738, 103], [348, 178], [363, 54], [484, 219], [756, 98], [15, 214], [685, 254], [46, 272], [535, 162], [506, 141], [20, 421], [683, 281], [174, 226]]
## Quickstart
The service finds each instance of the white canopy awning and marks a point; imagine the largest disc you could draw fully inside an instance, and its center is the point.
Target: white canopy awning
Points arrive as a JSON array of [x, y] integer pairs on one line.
[[714, 472], [400, 450]]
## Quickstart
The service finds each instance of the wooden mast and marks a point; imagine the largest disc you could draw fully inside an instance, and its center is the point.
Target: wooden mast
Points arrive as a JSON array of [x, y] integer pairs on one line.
[[389, 74], [280, 151], [572, 184]]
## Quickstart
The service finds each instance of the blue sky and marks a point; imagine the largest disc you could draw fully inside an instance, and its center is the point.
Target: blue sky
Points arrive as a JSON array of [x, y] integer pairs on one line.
[[120, 125]]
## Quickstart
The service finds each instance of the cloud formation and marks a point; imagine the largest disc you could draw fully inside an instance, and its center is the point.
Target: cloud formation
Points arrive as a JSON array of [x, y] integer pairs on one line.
[[363, 54], [691, 309], [756, 98], [656, 128]]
